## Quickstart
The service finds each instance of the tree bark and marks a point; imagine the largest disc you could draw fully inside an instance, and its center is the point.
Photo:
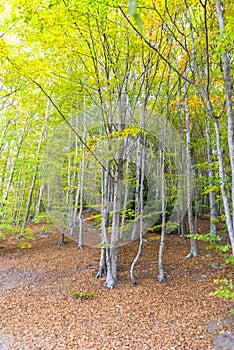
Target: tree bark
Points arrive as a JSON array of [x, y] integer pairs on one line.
[[111, 279], [228, 85], [193, 242], [211, 174], [32, 183]]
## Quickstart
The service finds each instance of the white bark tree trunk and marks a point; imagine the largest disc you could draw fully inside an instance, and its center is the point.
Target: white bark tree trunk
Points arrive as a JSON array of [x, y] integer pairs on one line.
[[30, 194], [112, 258], [161, 275], [211, 174], [226, 204], [80, 217], [228, 85], [10, 179], [141, 215], [194, 249]]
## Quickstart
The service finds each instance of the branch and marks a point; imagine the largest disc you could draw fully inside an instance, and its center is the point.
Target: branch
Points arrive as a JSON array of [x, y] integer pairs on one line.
[[155, 49], [10, 93], [68, 123]]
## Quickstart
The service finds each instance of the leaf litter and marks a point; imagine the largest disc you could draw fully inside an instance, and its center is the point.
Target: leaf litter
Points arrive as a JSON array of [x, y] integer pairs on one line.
[[38, 310]]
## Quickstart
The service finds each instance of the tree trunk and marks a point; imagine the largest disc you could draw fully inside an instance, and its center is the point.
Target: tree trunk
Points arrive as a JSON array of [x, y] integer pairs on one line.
[[161, 275], [141, 215], [32, 183], [39, 201], [226, 204], [112, 258], [80, 217], [10, 179], [228, 85], [137, 189], [211, 174], [194, 249]]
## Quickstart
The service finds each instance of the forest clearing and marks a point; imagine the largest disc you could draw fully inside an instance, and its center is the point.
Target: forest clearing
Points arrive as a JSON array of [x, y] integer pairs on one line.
[[116, 174], [39, 311]]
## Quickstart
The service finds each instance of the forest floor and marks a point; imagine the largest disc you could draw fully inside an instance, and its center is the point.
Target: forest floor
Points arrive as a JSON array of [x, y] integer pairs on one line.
[[39, 311]]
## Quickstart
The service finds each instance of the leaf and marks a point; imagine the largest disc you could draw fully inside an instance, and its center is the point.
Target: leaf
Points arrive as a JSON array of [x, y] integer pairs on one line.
[[103, 245], [138, 21], [132, 7]]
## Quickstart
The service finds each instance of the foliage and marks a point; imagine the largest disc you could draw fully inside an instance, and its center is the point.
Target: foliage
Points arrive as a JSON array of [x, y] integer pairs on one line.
[[45, 228], [26, 238], [154, 238], [42, 217], [132, 9], [6, 229], [225, 289], [82, 295]]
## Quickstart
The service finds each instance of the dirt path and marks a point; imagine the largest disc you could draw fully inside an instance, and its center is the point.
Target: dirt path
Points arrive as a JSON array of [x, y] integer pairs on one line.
[[38, 310]]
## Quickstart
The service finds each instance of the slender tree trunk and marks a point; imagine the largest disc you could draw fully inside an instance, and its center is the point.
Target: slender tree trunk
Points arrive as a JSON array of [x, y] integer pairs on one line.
[[204, 94], [69, 193], [226, 204], [194, 249], [126, 192], [15, 162], [228, 85], [39, 201], [111, 278], [4, 171], [141, 214], [17, 196], [137, 189], [77, 185], [102, 271], [161, 275], [21, 203], [4, 133], [32, 183], [211, 174], [80, 217], [181, 185]]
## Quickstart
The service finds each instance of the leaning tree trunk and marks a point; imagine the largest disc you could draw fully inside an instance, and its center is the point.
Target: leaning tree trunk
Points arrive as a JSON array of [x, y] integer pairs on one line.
[[12, 172]]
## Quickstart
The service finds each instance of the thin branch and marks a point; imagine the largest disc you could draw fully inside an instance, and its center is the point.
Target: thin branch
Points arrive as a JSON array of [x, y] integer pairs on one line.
[[10, 93], [155, 48], [67, 122]]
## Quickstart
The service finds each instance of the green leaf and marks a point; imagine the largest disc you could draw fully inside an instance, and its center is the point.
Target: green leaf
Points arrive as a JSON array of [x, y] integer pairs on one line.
[[138, 21], [230, 260], [132, 7], [103, 245]]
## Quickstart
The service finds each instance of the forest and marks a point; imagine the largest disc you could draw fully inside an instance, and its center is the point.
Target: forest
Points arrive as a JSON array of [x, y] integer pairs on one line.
[[117, 129]]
